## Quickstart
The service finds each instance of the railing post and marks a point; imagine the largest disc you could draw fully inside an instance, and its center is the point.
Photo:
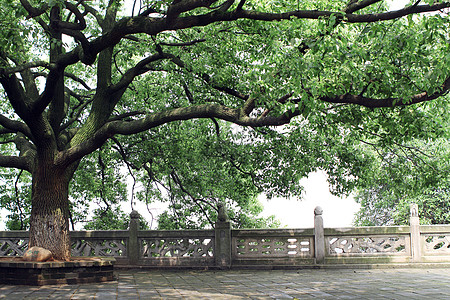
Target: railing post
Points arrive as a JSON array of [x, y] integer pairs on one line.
[[133, 243], [319, 237], [222, 245], [414, 224]]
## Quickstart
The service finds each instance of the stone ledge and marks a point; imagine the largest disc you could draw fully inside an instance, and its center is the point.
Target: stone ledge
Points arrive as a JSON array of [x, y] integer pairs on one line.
[[79, 270], [441, 265]]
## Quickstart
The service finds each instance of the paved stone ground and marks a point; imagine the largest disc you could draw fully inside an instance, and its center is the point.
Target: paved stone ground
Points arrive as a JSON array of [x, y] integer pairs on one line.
[[252, 284]]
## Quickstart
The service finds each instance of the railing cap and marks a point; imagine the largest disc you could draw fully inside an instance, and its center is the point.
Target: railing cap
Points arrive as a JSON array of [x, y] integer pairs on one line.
[[134, 214], [318, 211]]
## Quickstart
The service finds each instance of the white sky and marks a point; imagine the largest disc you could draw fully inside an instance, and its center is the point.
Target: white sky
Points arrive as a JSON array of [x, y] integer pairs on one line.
[[295, 213]]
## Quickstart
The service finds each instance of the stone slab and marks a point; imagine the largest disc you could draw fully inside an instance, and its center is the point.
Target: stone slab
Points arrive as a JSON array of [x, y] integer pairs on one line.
[[79, 270]]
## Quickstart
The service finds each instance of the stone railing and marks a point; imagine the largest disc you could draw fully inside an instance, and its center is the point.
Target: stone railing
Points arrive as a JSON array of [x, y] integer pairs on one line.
[[225, 247]]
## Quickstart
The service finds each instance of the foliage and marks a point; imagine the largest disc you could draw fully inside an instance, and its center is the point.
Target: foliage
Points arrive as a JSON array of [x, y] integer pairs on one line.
[[16, 199], [399, 176], [112, 219], [79, 79]]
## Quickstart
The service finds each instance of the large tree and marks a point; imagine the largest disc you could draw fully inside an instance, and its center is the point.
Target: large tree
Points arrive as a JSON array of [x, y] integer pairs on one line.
[[77, 73]]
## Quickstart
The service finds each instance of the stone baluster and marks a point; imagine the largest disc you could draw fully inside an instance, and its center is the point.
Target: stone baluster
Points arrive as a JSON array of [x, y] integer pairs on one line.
[[319, 237], [133, 242], [222, 247], [414, 224]]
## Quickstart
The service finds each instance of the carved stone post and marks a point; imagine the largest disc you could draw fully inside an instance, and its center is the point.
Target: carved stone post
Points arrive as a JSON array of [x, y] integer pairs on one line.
[[414, 224], [319, 236], [222, 245], [133, 242]]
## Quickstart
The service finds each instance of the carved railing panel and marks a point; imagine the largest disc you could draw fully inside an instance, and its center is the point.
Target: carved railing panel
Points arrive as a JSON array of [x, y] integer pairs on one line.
[[437, 244], [13, 247], [272, 247], [177, 247], [367, 245], [88, 247]]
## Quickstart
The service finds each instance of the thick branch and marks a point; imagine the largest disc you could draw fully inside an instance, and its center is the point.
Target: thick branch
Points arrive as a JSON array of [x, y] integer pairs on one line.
[[16, 162], [30, 84], [25, 66], [81, 23], [153, 26], [388, 102], [6, 130], [156, 119], [179, 7], [348, 17], [16, 95], [15, 126], [34, 12], [358, 5], [47, 96], [93, 12], [249, 106], [78, 36]]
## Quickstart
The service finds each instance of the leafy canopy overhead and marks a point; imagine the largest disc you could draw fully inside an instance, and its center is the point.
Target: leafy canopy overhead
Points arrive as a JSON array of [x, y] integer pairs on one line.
[[81, 76]]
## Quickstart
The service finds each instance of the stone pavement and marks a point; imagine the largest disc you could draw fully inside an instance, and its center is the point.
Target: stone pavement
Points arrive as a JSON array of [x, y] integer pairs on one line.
[[252, 284]]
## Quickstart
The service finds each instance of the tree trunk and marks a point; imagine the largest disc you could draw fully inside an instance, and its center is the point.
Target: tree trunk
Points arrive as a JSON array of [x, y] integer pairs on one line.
[[49, 223]]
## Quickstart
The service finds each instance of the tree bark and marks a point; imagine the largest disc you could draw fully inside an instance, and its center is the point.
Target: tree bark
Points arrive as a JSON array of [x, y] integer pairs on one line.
[[49, 223]]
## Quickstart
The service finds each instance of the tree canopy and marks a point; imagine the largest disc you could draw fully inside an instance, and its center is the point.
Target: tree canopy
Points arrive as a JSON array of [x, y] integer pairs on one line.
[[414, 173], [79, 76]]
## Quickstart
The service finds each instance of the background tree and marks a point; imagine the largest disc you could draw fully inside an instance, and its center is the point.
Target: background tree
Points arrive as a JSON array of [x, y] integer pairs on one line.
[[76, 74], [400, 175]]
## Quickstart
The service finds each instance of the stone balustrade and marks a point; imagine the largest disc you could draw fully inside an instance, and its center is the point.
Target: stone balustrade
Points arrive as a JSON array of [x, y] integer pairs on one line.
[[224, 247]]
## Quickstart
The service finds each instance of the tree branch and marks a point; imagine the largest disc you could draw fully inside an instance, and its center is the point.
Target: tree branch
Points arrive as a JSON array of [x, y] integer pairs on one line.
[[6, 130], [348, 17], [178, 182], [176, 60], [211, 110], [17, 162], [25, 66], [93, 12], [281, 100], [47, 95], [140, 68], [358, 5], [123, 116], [77, 79], [76, 114], [389, 102], [183, 44], [81, 25], [78, 36], [240, 5], [249, 106], [4, 142], [34, 12], [153, 26], [15, 126], [179, 7], [16, 95]]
